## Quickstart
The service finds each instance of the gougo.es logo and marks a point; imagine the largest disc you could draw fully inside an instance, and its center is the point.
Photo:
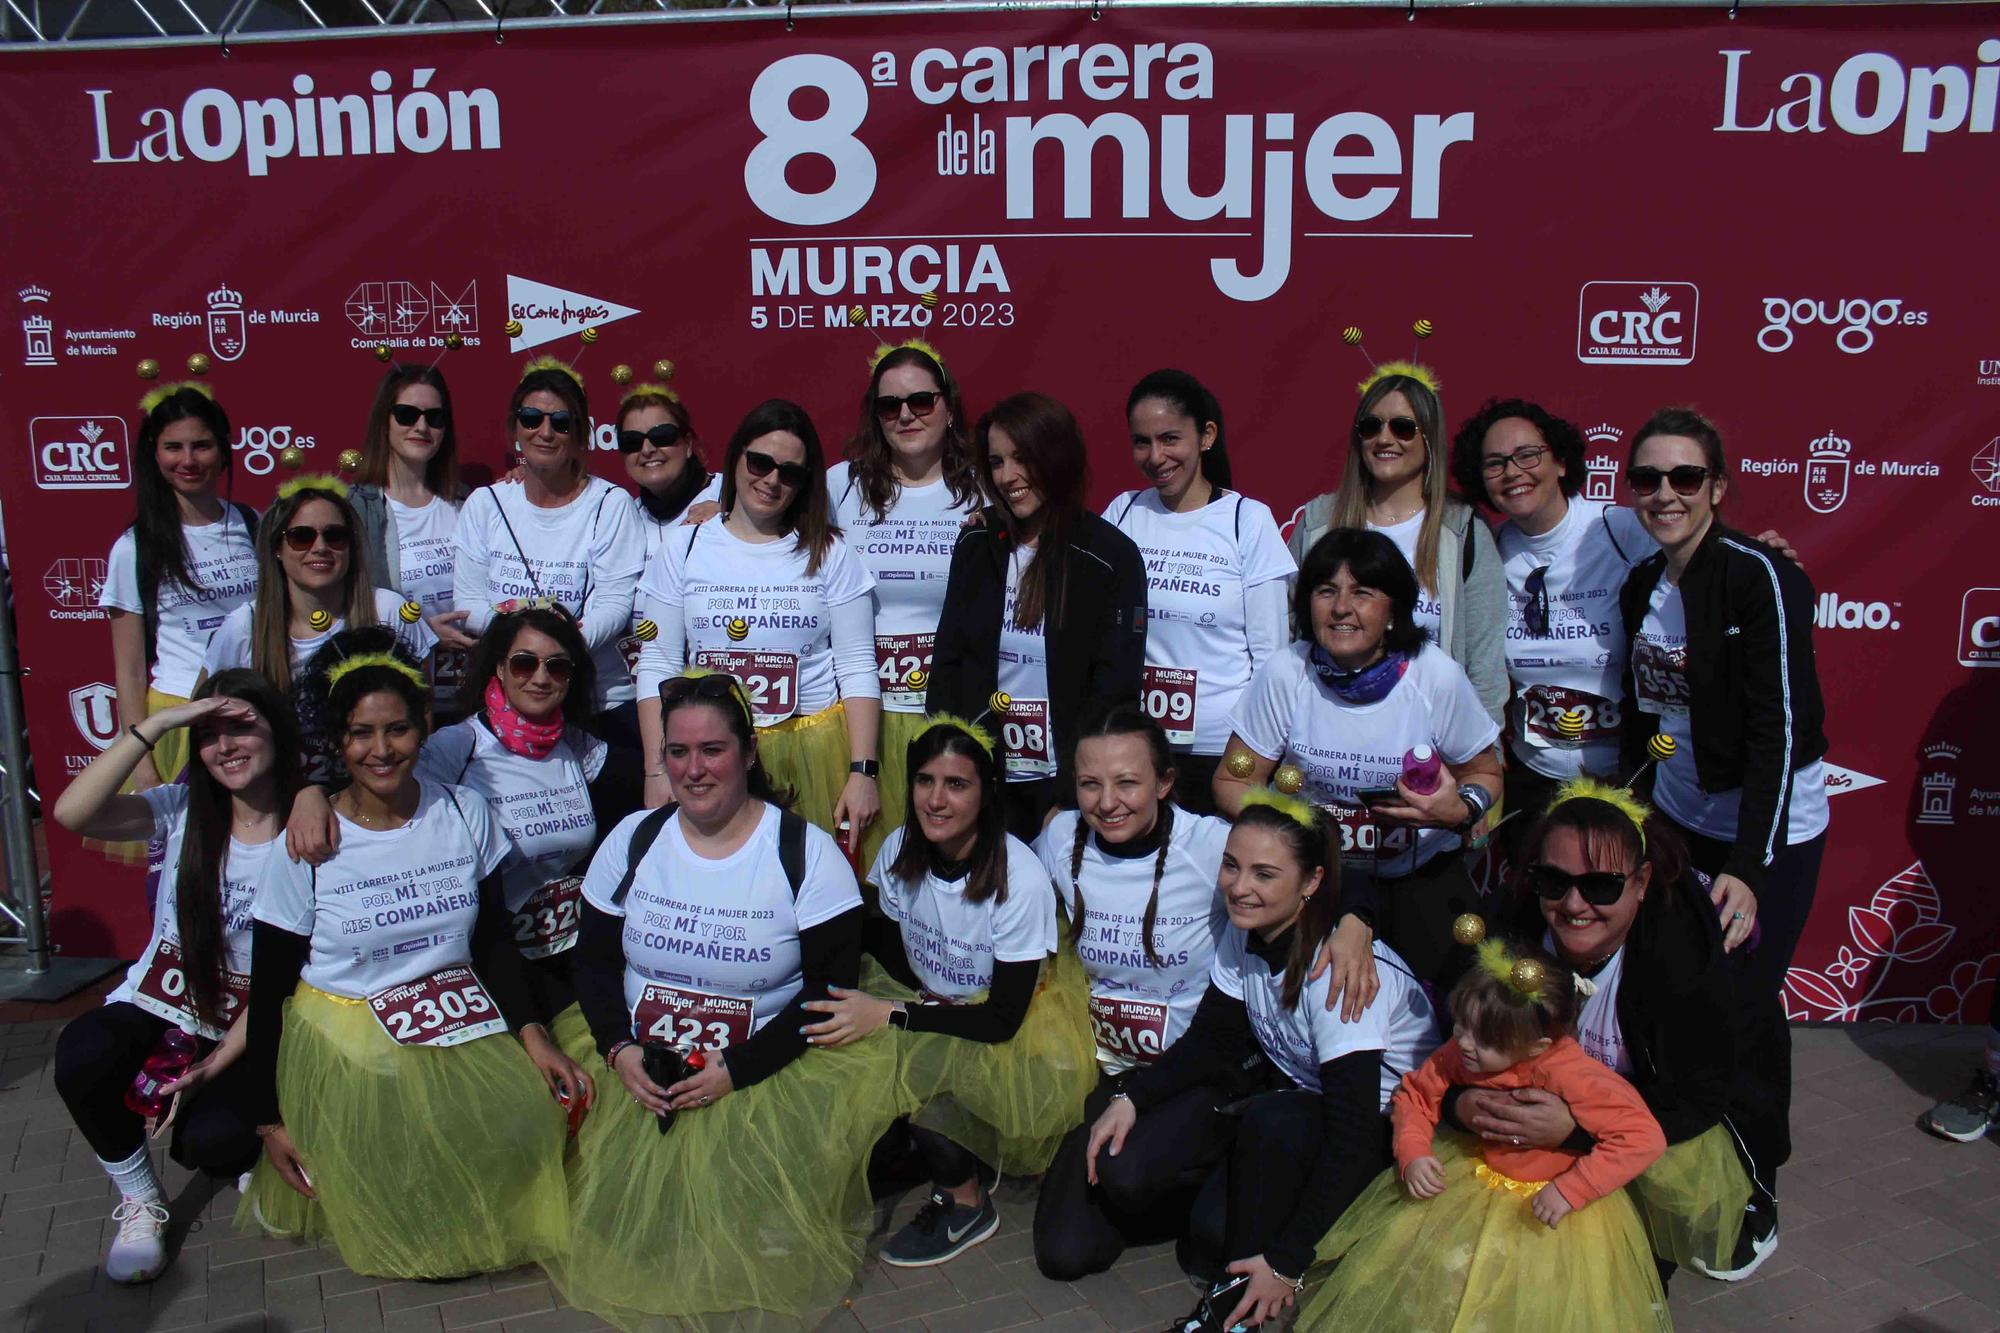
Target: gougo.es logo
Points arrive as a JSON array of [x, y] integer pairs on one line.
[[1856, 318]]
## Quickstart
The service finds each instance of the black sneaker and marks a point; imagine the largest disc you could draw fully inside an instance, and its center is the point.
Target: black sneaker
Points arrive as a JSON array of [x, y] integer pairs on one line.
[[1970, 1114], [1756, 1242], [1212, 1309], [941, 1231]]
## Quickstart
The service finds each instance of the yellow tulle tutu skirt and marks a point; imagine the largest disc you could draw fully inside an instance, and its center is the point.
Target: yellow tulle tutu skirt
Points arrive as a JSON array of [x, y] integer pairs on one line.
[[807, 756], [1008, 1103], [748, 1214], [898, 730], [428, 1162], [1691, 1200], [1475, 1260], [170, 757]]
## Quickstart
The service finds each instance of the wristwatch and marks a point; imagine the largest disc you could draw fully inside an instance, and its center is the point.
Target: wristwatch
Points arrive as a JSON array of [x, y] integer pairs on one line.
[[867, 768], [1477, 802], [899, 1016]]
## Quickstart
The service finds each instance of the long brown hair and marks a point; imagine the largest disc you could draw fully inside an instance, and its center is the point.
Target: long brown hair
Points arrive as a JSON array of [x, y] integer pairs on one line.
[[988, 877], [1314, 848], [1350, 509], [809, 518], [271, 612], [441, 473], [871, 460], [1050, 448]]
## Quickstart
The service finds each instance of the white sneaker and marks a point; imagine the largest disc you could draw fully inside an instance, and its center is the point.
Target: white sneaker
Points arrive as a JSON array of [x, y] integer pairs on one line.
[[140, 1252]]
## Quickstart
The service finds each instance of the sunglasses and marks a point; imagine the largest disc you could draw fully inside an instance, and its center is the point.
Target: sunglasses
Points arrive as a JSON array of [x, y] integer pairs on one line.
[[523, 665], [300, 536], [794, 475], [531, 419], [663, 436], [1403, 428], [1599, 888], [1527, 458], [889, 406], [407, 414], [1685, 479], [1535, 614]]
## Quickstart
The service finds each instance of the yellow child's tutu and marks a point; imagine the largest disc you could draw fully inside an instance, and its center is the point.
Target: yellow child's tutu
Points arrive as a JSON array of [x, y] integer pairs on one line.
[[898, 730], [428, 1162], [807, 756], [170, 757], [1475, 1258], [1008, 1103], [1691, 1200], [752, 1212]]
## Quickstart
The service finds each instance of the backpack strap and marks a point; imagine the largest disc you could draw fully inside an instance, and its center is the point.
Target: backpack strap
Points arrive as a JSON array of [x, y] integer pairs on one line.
[[526, 564], [1612, 533], [643, 838], [1129, 502], [792, 849], [1465, 555]]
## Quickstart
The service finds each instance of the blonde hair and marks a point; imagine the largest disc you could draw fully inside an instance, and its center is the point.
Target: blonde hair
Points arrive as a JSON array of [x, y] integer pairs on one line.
[[1350, 506]]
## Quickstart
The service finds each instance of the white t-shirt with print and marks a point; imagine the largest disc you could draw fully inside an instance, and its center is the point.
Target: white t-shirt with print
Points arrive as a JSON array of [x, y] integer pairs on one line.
[[1579, 663], [425, 559], [243, 869], [544, 804], [1400, 1023], [392, 905], [1139, 1004], [1027, 733], [231, 645], [1430, 608], [1200, 567], [717, 586], [1345, 749], [953, 944], [724, 927], [223, 559], [1659, 675], [585, 554], [908, 550]]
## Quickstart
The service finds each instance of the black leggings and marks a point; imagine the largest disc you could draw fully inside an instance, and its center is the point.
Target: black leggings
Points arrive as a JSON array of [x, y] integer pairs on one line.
[[1142, 1194], [97, 1057]]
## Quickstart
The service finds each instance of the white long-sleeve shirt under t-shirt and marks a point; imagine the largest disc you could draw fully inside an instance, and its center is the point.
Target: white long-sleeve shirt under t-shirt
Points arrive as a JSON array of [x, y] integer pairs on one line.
[[799, 642], [585, 554]]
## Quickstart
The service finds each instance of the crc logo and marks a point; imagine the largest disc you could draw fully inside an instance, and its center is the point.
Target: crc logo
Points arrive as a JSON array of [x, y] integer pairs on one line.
[[1979, 628], [260, 446], [1856, 318], [1827, 471], [94, 709], [80, 453], [1636, 323], [1833, 613]]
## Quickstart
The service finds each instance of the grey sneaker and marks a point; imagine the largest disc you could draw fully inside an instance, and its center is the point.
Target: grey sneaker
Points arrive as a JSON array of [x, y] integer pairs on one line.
[[1970, 1114], [139, 1254], [941, 1231]]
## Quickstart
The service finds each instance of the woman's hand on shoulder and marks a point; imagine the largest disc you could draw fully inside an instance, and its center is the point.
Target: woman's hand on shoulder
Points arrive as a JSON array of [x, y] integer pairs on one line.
[[312, 834], [1350, 952]]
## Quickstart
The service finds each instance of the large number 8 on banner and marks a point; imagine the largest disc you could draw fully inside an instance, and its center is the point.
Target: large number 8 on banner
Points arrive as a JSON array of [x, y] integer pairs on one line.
[[830, 136]]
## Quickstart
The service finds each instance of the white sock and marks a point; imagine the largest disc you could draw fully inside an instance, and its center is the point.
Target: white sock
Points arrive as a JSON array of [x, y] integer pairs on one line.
[[134, 1176]]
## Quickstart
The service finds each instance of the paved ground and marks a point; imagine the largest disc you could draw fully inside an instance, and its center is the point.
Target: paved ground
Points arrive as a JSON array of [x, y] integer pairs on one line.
[[1883, 1228]]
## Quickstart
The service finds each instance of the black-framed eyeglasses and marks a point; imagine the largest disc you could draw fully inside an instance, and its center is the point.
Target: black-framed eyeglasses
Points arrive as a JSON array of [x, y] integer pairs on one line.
[[663, 436], [1599, 888], [1685, 479], [794, 475], [301, 536], [531, 419], [1527, 458], [407, 415], [1403, 428], [522, 666], [1535, 612], [889, 406]]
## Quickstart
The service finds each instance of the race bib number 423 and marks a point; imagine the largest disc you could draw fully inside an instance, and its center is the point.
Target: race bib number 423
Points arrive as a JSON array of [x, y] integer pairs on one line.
[[903, 663], [691, 1019], [447, 1008]]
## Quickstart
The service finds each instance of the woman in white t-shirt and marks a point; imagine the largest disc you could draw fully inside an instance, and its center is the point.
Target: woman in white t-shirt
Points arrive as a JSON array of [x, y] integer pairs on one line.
[[187, 561], [726, 1168], [901, 497], [407, 499], [768, 592], [1218, 575], [1361, 698], [1297, 1155], [188, 987], [401, 1118], [562, 536], [994, 1036]]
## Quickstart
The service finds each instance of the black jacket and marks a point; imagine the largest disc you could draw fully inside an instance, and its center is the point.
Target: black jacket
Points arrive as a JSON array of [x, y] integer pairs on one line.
[[1096, 626], [1753, 691]]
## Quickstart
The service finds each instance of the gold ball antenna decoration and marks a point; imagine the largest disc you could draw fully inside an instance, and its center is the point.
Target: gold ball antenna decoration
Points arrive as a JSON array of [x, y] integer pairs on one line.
[[917, 679], [1469, 929], [454, 340], [621, 374], [1239, 764], [1288, 779], [645, 631], [382, 352], [198, 363], [738, 629], [292, 458], [149, 369], [663, 370], [350, 460], [1527, 975]]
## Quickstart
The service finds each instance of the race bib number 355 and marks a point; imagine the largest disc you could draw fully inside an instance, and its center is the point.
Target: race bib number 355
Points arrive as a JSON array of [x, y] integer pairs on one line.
[[1660, 678], [691, 1019], [447, 1008]]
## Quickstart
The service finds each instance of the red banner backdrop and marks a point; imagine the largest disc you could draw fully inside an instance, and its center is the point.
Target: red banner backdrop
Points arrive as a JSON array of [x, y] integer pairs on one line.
[[1785, 218]]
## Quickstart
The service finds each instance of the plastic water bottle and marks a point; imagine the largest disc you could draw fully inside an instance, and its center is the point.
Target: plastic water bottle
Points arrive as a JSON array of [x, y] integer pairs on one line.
[[169, 1059], [1422, 770]]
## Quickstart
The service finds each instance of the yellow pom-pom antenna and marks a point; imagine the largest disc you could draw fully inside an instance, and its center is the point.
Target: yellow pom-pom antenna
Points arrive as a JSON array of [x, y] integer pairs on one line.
[[1662, 746], [1000, 701], [737, 628], [1570, 723], [1291, 807], [1351, 335], [645, 631], [513, 328], [928, 300], [198, 364], [319, 619], [913, 344], [980, 735], [1523, 976], [149, 369], [317, 481], [1423, 328], [363, 661], [154, 397], [1469, 929], [1585, 787], [857, 315], [556, 364], [589, 336], [411, 612], [1408, 369], [1289, 779], [621, 374], [917, 679]]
